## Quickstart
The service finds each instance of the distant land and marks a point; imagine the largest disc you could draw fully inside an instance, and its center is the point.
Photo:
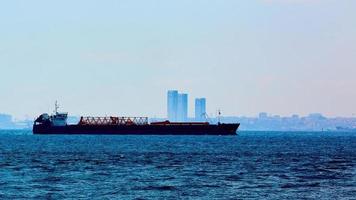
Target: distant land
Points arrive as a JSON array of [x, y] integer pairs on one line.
[[264, 122]]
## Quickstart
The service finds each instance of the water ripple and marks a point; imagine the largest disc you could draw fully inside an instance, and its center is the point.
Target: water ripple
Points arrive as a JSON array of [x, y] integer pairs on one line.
[[250, 166]]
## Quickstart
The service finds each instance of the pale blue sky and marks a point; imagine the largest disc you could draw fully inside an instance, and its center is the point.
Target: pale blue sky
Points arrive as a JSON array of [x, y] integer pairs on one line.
[[120, 57]]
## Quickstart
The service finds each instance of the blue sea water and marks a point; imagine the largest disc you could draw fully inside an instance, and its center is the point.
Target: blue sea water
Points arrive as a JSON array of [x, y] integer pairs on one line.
[[252, 165]]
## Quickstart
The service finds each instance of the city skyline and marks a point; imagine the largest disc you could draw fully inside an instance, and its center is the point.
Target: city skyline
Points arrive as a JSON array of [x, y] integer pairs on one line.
[[117, 57], [191, 113], [262, 122]]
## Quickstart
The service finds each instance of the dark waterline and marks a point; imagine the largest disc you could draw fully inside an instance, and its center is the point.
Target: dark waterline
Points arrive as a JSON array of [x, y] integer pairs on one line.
[[259, 165]]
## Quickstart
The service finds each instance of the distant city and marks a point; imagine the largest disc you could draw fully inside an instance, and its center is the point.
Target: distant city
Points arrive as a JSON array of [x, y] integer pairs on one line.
[[177, 111]]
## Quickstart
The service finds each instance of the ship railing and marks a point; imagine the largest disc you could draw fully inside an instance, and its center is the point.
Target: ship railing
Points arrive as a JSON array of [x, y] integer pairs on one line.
[[113, 121], [168, 123]]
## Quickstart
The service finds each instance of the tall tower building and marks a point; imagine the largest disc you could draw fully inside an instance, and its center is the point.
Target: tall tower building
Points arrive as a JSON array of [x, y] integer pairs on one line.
[[182, 111], [200, 109], [172, 105]]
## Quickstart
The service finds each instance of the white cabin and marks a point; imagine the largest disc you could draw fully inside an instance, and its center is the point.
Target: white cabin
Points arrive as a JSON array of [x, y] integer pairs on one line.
[[58, 119]]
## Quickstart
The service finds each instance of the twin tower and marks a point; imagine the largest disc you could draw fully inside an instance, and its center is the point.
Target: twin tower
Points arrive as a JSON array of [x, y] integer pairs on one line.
[[177, 107]]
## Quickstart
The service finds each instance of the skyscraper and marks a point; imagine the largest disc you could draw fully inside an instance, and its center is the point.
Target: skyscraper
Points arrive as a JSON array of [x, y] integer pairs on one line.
[[200, 109], [172, 105], [182, 108]]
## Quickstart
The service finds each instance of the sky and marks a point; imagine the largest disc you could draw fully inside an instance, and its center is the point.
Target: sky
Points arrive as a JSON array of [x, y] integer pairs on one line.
[[119, 57]]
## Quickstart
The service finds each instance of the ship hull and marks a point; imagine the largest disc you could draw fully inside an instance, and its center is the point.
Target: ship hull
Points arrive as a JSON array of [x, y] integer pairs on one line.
[[220, 129]]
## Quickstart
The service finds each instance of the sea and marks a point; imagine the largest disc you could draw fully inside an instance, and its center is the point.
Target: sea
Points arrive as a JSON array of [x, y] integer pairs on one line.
[[251, 165]]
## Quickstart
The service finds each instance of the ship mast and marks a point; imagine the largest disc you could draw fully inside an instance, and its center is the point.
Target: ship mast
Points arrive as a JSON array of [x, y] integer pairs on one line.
[[219, 114], [56, 106]]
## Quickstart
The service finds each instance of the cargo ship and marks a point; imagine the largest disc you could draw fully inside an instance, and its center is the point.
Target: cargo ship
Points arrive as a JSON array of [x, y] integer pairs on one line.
[[57, 124]]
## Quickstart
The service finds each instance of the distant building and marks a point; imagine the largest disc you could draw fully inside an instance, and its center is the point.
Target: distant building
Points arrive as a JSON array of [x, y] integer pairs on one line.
[[295, 116], [5, 121], [316, 116], [200, 109], [172, 105], [182, 108], [263, 115], [177, 106], [4, 118]]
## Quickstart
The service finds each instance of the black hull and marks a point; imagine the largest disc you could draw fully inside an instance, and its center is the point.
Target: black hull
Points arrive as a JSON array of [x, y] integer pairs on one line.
[[221, 129]]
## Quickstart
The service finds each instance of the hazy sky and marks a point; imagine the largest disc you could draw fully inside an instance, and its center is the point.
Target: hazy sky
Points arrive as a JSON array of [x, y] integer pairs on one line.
[[120, 57]]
